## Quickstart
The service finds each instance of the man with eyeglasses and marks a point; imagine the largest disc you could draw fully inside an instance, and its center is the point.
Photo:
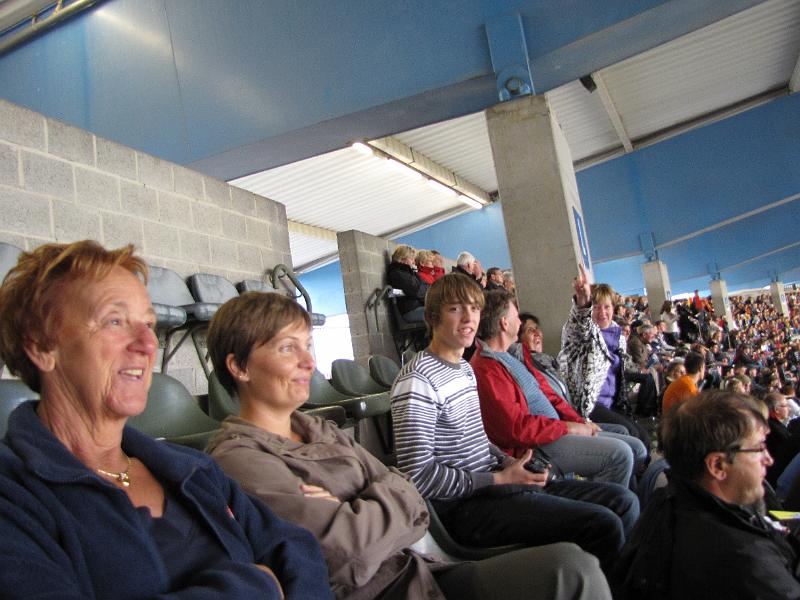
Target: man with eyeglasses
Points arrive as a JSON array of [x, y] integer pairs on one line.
[[704, 535]]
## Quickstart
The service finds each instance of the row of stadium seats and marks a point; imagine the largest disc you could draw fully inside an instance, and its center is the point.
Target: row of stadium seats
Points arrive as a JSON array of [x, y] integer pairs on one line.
[[172, 413]]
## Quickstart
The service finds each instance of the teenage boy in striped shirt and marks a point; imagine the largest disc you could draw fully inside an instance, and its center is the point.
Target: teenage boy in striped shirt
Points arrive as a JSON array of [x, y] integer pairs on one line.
[[483, 497]]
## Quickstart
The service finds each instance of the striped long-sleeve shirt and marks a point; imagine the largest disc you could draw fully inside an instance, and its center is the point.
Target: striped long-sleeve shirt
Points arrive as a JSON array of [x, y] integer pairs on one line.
[[439, 435]]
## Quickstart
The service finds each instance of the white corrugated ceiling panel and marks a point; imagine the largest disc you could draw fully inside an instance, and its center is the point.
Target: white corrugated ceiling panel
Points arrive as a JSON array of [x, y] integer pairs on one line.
[[346, 190], [719, 65], [461, 145], [583, 119], [306, 248]]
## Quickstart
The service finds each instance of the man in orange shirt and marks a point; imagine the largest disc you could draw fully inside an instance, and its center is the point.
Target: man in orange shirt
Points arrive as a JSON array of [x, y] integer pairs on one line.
[[685, 387]]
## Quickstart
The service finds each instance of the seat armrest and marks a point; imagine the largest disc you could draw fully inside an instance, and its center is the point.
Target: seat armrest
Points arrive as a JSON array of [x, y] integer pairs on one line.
[[337, 414]]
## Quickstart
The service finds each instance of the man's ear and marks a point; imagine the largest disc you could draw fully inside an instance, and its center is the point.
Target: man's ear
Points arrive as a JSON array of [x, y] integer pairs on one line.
[[717, 465], [45, 360], [236, 371], [504, 323]]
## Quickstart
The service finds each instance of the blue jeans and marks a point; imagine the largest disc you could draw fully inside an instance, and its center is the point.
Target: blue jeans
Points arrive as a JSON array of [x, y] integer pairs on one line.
[[637, 447], [599, 458], [594, 515]]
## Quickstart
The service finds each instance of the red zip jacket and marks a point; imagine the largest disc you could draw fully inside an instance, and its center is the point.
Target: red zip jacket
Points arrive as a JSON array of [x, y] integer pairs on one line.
[[504, 409]]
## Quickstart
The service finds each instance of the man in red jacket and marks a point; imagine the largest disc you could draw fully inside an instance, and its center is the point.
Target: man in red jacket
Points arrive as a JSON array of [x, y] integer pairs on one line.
[[520, 410]]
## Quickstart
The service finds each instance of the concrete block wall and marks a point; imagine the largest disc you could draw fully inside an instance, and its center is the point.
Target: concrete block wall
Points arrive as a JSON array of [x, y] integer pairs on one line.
[[363, 259], [61, 184]]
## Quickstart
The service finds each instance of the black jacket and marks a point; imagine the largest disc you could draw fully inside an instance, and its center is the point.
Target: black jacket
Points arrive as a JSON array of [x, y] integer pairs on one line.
[[690, 544], [783, 446], [402, 277]]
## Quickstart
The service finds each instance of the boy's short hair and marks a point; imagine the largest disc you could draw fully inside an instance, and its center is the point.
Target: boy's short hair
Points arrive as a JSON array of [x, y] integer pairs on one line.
[[453, 288]]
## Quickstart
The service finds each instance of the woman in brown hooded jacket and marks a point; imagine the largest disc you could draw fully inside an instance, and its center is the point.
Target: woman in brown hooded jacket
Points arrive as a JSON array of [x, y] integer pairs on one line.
[[364, 514]]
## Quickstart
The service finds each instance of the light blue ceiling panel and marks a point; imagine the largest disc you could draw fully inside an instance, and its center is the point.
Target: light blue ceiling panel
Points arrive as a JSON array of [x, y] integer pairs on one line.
[[210, 83], [623, 274], [694, 180], [732, 244], [109, 70]]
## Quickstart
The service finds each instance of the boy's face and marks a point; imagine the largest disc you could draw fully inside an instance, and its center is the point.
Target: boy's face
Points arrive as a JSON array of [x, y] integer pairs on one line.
[[458, 324]]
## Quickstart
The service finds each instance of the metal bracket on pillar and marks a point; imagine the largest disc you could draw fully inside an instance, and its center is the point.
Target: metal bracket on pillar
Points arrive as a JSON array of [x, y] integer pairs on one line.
[[713, 270], [774, 276], [647, 242], [509, 53]]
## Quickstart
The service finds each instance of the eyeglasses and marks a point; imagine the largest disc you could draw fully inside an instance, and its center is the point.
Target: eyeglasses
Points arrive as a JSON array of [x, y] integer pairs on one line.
[[761, 448]]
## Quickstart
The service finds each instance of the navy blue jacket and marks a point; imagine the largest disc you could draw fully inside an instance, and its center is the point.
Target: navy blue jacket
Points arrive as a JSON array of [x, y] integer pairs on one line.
[[65, 532]]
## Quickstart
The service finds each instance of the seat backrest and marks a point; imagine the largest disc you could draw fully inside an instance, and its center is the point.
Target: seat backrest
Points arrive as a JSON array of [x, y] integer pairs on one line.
[[8, 258], [209, 288], [256, 285], [322, 392], [12, 393], [383, 370], [220, 403], [349, 377], [652, 479], [171, 411], [165, 286], [408, 355]]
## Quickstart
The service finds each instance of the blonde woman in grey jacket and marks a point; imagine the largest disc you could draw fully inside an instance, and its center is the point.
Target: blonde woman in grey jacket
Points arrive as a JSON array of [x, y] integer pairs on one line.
[[594, 358], [364, 514]]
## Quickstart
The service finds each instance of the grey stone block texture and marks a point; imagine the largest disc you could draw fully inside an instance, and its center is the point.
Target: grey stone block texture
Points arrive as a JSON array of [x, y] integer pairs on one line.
[[59, 183], [363, 265]]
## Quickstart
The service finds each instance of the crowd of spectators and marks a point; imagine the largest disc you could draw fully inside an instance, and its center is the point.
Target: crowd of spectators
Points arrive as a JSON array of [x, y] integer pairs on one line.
[[412, 271]]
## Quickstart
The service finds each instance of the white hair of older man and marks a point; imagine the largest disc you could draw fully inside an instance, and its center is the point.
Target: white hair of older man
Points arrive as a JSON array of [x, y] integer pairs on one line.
[[464, 259]]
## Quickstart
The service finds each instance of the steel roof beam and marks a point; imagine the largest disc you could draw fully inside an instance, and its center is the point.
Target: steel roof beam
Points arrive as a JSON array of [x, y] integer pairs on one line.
[[612, 111]]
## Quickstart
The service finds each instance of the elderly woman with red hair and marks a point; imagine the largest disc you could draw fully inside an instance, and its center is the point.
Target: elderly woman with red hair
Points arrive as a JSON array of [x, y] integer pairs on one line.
[[91, 508]]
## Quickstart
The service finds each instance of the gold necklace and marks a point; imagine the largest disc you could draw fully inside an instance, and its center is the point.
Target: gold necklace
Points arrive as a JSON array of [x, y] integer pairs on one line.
[[122, 477]]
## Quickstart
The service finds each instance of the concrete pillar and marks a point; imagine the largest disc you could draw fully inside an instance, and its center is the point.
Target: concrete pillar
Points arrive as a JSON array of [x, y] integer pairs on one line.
[[778, 294], [363, 259], [719, 296], [541, 209], [656, 282]]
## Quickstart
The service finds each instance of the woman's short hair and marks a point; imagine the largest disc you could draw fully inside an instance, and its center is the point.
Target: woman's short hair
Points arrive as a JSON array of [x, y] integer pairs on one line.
[[248, 321], [31, 294], [403, 252], [453, 288], [713, 421], [673, 366], [523, 318], [424, 256], [602, 292]]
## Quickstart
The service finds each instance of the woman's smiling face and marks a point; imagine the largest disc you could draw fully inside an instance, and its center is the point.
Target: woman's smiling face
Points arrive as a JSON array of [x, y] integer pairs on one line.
[[278, 372]]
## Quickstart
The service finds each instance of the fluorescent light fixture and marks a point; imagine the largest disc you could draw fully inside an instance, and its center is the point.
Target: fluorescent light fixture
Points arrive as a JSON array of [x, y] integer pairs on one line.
[[397, 166], [362, 148], [440, 187], [470, 201]]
